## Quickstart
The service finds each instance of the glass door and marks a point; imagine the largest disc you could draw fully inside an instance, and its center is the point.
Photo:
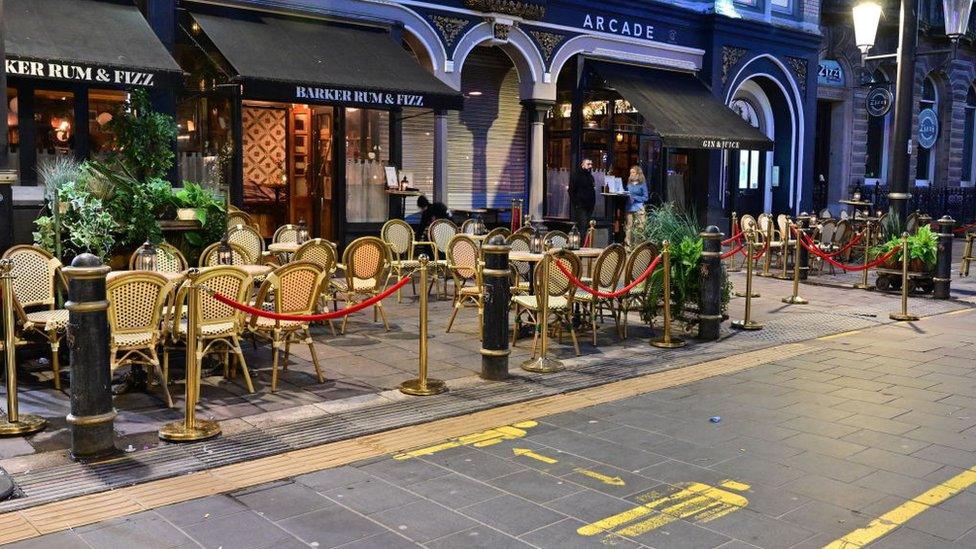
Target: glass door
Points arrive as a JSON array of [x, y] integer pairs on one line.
[[323, 173]]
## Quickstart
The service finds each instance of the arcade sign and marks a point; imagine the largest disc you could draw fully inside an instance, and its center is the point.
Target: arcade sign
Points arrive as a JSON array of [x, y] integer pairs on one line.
[[878, 102]]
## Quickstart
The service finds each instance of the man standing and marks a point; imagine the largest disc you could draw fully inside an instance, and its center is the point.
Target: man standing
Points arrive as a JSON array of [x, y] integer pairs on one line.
[[582, 195]]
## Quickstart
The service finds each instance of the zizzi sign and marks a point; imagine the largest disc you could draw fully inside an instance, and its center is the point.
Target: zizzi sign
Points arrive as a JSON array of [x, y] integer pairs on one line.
[[363, 97], [618, 26], [79, 73], [830, 73]]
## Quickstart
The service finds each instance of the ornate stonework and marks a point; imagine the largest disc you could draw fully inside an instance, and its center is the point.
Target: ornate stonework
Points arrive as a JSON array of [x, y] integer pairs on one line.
[[730, 58], [449, 27], [547, 42], [799, 67], [520, 8], [500, 31]]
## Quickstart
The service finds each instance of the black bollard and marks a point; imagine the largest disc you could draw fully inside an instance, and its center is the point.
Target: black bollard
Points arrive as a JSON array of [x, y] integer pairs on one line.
[[495, 321], [943, 263], [804, 227], [710, 315], [92, 414]]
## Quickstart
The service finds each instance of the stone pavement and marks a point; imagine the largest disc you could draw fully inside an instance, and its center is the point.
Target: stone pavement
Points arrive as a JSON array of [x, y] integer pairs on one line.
[[797, 453]]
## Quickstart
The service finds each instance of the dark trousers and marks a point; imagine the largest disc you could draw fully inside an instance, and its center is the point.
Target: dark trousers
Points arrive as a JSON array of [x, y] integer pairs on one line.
[[581, 216]]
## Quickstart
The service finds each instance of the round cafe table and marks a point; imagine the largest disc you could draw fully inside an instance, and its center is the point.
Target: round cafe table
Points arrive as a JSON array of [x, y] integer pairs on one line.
[[284, 247], [529, 257]]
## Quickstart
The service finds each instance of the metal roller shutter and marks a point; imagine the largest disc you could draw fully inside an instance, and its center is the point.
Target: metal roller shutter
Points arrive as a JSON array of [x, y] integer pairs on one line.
[[487, 140], [418, 151]]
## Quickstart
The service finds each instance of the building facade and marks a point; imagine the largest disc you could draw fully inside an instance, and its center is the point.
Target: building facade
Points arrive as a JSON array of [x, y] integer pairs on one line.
[[476, 102]]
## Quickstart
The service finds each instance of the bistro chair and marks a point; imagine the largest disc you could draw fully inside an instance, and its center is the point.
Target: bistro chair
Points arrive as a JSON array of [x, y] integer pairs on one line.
[[561, 297], [168, 259], [322, 253], [251, 240], [135, 304], [826, 241], [556, 239], [210, 258], [238, 217], [467, 223], [286, 233], [292, 289], [525, 230], [747, 223], [606, 274], [825, 214], [504, 232], [519, 242], [842, 233], [219, 326], [638, 261], [440, 233], [463, 261], [37, 275], [398, 235], [368, 261]]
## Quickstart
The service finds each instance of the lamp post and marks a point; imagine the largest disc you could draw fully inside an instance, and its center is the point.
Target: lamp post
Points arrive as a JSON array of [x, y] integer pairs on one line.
[[867, 15]]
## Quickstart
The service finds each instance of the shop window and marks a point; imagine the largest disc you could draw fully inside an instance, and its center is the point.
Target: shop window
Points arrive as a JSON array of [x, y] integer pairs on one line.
[[54, 119], [925, 164], [204, 140], [560, 118], [13, 129], [748, 162], [596, 115], [103, 105], [367, 155], [782, 5], [969, 142]]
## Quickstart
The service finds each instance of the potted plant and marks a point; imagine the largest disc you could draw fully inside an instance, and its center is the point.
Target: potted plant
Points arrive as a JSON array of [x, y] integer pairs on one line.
[[922, 251]]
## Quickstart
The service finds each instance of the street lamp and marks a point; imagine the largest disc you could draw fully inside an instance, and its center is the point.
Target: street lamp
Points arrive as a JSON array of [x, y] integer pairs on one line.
[[867, 15]]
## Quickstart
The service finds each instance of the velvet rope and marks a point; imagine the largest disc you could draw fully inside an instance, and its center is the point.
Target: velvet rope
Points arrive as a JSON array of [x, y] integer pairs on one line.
[[850, 243], [732, 238], [610, 295], [316, 317], [757, 256], [854, 268], [960, 230], [733, 251]]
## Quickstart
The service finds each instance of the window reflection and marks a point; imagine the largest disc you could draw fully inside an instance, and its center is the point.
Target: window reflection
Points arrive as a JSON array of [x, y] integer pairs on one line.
[[367, 155]]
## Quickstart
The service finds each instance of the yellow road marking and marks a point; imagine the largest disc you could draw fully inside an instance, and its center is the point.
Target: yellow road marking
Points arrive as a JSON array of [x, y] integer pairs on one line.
[[696, 501], [905, 512], [840, 335], [478, 440], [530, 454], [605, 479]]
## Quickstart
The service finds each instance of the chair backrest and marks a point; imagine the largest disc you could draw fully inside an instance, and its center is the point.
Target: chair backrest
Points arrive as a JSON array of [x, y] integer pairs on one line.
[[135, 301], [440, 232], [285, 233], [209, 257], [503, 231], [827, 229], [825, 214], [747, 223], [763, 222], [319, 251], [168, 259], [840, 231], [238, 218], [844, 214], [35, 273], [524, 230], [398, 235], [782, 223], [466, 223], [638, 261], [911, 224], [248, 238], [559, 283], [608, 267], [462, 256], [296, 287], [519, 242], [226, 280], [557, 239], [367, 258]]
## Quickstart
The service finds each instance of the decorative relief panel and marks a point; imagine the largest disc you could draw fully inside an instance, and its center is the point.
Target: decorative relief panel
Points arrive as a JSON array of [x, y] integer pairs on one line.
[[520, 8], [799, 67], [547, 42], [730, 58], [449, 27]]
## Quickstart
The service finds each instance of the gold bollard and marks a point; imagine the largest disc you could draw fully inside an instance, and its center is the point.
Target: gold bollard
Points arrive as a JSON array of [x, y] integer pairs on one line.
[[795, 299], [967, 255], [769, 240], [16, 423], [191, 429], [747, 323], [422, 386], [903, 315], [864, 284], [666, 341], [751, 239], [783, 251], [733, 229], [544, 364]]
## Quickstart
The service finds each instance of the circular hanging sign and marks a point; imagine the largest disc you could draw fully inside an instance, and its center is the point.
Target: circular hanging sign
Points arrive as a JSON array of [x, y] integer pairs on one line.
[[879, 101], [928, 128]]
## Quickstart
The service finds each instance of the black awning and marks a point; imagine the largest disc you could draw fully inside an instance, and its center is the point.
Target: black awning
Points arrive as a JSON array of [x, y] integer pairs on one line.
[[90, 41], [679, 108], [299, 60]]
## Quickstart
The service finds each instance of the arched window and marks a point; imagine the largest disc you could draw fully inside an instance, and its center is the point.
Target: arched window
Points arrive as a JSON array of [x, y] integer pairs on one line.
[[925, 166], [969, 128], [876, 156], [747, 161]]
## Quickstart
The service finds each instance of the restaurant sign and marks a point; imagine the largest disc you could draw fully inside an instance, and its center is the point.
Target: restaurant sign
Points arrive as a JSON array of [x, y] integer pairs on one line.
[[720, 144], [79, 72], [928, 128], [830, 74], [322, 93], [359, 97]]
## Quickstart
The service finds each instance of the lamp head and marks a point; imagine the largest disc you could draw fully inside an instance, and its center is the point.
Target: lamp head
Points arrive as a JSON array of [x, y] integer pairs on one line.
[[867, 16]]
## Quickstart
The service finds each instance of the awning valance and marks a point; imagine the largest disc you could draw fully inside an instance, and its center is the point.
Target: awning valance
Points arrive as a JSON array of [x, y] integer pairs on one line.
[[283, 58], [680, 109], [91, 41]]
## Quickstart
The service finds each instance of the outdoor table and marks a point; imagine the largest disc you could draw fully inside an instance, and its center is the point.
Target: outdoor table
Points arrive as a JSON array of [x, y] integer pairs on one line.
[[284, 250], [398, 202], [855, 204], [529, 257], [616, 213]]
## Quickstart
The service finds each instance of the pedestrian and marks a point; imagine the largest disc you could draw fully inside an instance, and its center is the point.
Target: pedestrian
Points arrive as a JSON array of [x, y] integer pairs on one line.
[[582, 194], [638, 195], [429, 212]]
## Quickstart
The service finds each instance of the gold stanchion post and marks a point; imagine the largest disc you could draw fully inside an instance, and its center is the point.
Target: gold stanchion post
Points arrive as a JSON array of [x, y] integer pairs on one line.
[[769, 242], [543, 363], [795, 299], [733, 229], [191, 429], [903, 315], [747, 323], [784, 251], [864, 284], [423, 386], [666, 341], [16, 423], [751, 263]]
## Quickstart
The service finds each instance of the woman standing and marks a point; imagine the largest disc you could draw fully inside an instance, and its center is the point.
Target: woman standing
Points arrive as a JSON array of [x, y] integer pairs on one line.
[[637, 189]]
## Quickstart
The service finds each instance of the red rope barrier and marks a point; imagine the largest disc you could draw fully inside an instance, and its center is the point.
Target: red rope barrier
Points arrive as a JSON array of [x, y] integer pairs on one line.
[[316, 317], [756, 257], [610, 295], [960, 230], [850, 243], [879, 261], [732, 238], [732, 252]]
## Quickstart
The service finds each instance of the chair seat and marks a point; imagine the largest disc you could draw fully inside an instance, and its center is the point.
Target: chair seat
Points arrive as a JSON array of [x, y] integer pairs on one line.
[[268, 324], [470, 290], [49, 320], [359, 284], [133, 339], [210, 330], [406, 263], [529, 302]]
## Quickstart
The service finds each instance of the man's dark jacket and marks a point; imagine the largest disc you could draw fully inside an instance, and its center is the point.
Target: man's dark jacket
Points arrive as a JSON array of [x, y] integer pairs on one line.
[[581, 189]]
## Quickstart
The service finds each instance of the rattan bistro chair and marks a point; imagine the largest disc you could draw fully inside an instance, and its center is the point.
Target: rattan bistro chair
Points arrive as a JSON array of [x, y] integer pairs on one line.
[[561, 298], [239, 218], [556, 239], [219, 326], [296, 288], [398, 235], [504, 232], [209, 257], [286, 233], [37, 275], [368, 261], [251, 240], [463, 261], [440, 233], [323, 253], [168, 259], [135, 302], [606, 274], [637, 262], [519, 242]]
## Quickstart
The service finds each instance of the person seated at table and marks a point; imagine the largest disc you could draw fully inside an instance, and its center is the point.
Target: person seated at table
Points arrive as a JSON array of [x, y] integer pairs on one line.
[[429, 212], [637, 189]]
